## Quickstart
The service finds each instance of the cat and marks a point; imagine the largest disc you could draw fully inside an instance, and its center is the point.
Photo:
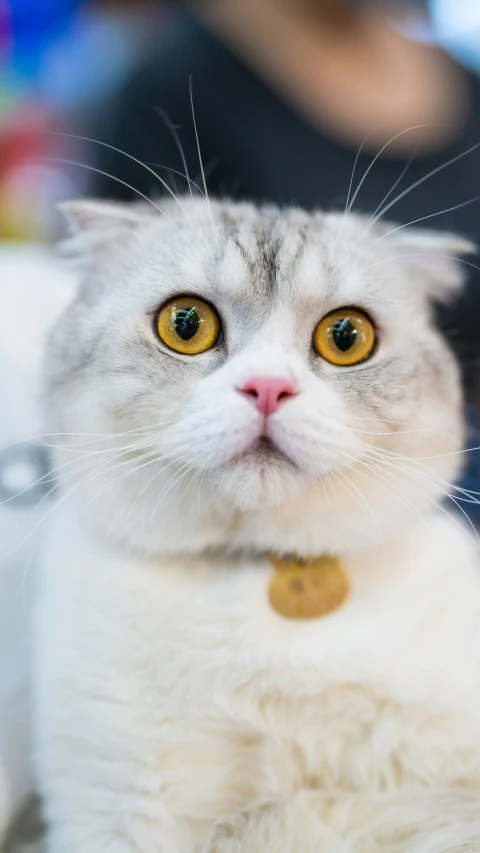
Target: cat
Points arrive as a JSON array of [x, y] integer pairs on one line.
[[234, 384]]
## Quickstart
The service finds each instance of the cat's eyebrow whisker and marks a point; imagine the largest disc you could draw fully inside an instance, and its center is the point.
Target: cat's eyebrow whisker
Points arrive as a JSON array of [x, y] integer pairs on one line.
[[204, 181], [133, 159], [426, 178], [407, 225], [125, 184], [380, 152], [179, 173], [346, 209], [423, 218], [395, 184], [163, 115], [420, 255], [377, 216], [360, 149]]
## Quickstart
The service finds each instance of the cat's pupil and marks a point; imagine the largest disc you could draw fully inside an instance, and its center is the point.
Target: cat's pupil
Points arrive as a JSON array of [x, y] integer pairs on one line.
[[186, 323], [344, 334]]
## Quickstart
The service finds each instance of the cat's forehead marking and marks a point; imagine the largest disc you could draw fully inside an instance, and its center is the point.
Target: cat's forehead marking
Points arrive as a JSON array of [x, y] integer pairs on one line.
[[260, 257]]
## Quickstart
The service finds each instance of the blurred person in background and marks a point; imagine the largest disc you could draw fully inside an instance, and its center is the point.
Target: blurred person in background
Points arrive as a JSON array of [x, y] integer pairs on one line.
[[289, 96]]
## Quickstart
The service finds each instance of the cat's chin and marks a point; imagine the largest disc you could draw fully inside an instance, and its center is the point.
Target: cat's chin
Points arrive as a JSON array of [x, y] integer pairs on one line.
[[261, 478]]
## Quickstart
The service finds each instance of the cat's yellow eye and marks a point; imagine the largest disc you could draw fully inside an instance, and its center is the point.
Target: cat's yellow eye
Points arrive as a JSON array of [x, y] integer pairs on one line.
[[344, 337], [188, 325]]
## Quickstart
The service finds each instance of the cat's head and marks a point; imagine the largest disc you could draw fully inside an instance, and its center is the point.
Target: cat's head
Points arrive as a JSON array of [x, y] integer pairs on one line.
[[256, 377]]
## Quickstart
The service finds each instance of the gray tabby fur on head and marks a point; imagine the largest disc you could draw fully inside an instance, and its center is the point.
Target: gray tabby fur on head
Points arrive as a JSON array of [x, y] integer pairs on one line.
[[158, 446]]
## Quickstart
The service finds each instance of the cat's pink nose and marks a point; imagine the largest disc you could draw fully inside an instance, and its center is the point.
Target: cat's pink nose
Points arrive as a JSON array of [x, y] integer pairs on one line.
[[267, 394]]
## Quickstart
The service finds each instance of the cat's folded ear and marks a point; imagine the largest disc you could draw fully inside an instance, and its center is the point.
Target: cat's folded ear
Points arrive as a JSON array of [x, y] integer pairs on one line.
[[95, 227], [436, 260]]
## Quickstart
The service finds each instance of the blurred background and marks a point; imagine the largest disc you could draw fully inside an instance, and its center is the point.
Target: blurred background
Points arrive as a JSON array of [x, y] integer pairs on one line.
[[63, 64]]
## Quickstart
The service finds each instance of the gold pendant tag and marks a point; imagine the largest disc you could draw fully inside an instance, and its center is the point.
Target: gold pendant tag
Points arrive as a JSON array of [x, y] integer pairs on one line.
[[307, 589]]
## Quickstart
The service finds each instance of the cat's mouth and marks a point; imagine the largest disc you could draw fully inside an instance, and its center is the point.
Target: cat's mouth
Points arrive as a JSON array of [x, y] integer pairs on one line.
[[264, 449]]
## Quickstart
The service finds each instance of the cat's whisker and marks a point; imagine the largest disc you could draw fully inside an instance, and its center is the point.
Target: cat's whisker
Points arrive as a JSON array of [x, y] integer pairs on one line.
[[182, 493], [362, 500], [378, 215], [393, 490], [191, 182], [156, 457], [173, 461], [77, 449], [379, 154], [441, 507], [360, 149], [345, 211], [90, 168], [76, 454], [48, 478], [425, 475], [419, 255], [148, 168], [426, 177], [42, 438], [179, 145], [176, 477], [55, 505], [204, 181], [423, 218], [415, 431], [349, 205], [200, 487], [356, 493], [419, 459], [438, 485], [101, 468], [395, 184]]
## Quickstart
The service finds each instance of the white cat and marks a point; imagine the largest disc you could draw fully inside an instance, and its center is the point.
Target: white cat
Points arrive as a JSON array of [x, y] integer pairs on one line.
[[234, 383]]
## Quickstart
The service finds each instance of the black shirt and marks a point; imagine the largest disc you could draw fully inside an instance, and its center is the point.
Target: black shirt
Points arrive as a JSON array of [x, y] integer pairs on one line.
[[255, 146]]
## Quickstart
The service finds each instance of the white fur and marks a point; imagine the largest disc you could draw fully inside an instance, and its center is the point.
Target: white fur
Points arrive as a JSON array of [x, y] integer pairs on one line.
[[172, 697], [176, 712]]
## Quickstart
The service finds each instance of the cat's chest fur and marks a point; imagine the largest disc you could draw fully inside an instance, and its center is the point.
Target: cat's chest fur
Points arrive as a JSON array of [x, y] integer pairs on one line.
[[384, 692]]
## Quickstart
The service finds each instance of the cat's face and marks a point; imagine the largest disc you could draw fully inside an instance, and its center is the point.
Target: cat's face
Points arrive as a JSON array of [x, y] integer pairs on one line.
[[254, 420]]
